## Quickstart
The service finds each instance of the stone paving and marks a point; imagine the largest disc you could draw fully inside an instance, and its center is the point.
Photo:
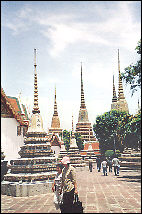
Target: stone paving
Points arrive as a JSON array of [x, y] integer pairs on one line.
[[98, 193]]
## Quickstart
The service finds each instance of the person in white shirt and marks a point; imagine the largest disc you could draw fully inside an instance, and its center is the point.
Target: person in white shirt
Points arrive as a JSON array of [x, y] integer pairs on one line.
[[116, 164], [56, 187], [104, 166]]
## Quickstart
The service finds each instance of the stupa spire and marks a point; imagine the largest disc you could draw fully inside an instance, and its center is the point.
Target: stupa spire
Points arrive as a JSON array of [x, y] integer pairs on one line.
[[120, 86], [35, 108], [55, 105], [114, 98], [82, 92], [83, 124], [55, 124], [73, 136]]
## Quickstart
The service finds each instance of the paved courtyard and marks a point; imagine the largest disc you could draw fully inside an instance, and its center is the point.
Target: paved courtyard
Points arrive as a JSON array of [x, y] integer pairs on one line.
[[99, 194]]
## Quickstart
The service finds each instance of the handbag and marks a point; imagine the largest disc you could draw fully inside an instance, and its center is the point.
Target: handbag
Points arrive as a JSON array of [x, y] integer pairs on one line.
[[77, 205]]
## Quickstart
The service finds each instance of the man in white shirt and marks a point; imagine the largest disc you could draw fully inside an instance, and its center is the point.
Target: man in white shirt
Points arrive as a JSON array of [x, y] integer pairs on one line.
[[104, 166], [116, 164]]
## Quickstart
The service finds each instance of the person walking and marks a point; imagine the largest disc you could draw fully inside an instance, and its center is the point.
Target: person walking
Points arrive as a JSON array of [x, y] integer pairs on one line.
[[116, 164], [56, 187], [69, 185], [90, 166], [98, 160], [104, 166], [109, 162]]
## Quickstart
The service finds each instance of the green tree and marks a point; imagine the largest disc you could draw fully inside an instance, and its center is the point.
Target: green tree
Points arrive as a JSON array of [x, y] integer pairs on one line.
[[107, 130], [124, 133], [66, 139], [132, 136], [132, 74], [79, 141]]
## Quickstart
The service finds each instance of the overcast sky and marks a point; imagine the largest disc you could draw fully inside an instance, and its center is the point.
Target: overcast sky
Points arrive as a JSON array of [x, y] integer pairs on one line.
[[66, 33]]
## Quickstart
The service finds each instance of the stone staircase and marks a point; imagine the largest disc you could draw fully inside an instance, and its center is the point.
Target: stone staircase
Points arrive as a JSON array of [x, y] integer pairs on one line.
[[130, 160]]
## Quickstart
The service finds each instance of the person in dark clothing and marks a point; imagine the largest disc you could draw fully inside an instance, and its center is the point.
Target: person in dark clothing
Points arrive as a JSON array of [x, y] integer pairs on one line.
[[109, 161], [90, 166], [69, 185], [98, 160]]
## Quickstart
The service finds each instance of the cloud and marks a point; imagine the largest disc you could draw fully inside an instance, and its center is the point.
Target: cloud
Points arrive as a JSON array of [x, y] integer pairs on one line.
[[116, 26], [16, 27], [117, 30]]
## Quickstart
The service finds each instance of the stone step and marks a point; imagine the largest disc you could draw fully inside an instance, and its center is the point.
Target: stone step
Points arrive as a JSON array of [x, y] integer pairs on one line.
[[130, 163], [131, 155], [130, 167], [130, 159]]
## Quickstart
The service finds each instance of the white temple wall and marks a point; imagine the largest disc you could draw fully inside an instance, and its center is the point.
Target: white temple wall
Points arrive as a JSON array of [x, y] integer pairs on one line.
[[56, 150], [10, 142]]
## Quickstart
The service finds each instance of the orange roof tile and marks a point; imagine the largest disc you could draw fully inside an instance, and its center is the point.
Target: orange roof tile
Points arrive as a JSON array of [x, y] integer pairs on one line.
[[13, 105]]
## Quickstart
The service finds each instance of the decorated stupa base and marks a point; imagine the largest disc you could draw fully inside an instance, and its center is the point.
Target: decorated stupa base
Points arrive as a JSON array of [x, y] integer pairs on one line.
[[87, 160], [24, 189], [61, 155], [29, 176], [35, 170], [33, 165], [90, 154], [90, 157], [63, 152], [75, 158]]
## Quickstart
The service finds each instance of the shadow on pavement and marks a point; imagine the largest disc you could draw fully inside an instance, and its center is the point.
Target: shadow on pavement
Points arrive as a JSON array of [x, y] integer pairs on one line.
[[129, 178]]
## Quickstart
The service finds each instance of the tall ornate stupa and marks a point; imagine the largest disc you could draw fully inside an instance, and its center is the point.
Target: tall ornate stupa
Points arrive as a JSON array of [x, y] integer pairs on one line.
[[55, 124], [120, 103], [37, 162], [63, 151], [73, 153], [84, 126], [90, 152], [114, 98]]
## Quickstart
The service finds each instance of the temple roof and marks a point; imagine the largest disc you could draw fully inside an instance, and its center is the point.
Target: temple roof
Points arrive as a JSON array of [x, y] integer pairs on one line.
[[14, 107], [55, 140], [15, 103]]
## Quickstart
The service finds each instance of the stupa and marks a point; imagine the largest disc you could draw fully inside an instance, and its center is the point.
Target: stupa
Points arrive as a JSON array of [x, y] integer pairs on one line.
[[55, 142], [84, 126], [114, 98], [63, 151], [89, 154], [119, 103], [33, 172], [55, 124], [73, 152]]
